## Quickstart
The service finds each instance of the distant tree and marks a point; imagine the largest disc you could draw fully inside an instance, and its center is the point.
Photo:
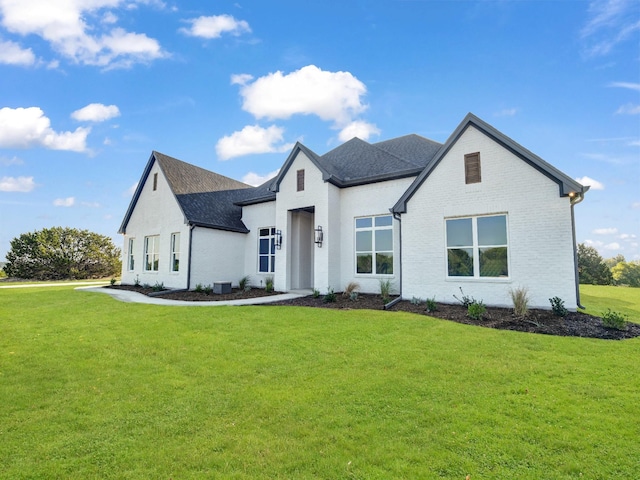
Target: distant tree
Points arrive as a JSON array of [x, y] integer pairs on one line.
[[627, 273], [62, 253], [591, 267], [613, 261]]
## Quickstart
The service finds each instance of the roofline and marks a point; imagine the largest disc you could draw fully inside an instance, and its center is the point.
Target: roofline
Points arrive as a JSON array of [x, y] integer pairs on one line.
[[219, 227], [299, 147], [566, 185], [375, 179], [136, 195], [255, 201]]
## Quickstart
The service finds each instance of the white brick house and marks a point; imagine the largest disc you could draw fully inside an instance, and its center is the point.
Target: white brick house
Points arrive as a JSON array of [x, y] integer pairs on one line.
[[479, 212]]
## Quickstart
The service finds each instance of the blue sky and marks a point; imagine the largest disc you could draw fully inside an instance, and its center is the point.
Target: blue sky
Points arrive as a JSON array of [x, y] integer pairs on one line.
[[88, 88]]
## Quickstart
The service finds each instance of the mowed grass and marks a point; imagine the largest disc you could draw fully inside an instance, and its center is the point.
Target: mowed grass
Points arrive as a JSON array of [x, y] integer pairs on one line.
[[94, 388]]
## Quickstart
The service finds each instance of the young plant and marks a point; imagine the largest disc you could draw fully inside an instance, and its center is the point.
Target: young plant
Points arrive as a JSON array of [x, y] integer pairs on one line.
[[557, 307], [520, 299], [465, 300], [616, 320], [316, 293], [245, 283], [136, 282], [268, 284], [416, 301], [199, 288], [350, 288], [112, 281], [353, 296], [432, 306], [476, 310], [330, 297], [385, 289], [158, 287], [207, 289]]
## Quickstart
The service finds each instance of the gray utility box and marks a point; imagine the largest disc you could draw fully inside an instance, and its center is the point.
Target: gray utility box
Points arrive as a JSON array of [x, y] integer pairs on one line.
[[221, 287]]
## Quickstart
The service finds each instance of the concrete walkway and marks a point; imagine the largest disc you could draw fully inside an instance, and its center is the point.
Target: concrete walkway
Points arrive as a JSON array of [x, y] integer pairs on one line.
[[135, 297]]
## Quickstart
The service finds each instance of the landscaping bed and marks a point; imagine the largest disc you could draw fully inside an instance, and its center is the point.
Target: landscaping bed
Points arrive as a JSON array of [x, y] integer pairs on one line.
[[575, 324]]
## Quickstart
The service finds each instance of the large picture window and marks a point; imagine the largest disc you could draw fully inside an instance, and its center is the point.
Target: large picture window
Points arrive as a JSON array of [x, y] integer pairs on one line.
[[175, 252], [151, 253], [374, 245], [267, 250], [477, 247], [131, 256]]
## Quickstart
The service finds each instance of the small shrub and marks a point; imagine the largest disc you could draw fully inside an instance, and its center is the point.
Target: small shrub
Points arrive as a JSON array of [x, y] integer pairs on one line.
[[245, 283], [112, 281], [146, 285], [557, 307], [416, 301], [611, 319], [316, 293], [330, 297], [520, 299], [465, 300], [158, 287], [199, 288], [136, 282], [432, 306], [207, 289], [385, 288], [353, 296], [476, 310], [350, 288], [269, 284]]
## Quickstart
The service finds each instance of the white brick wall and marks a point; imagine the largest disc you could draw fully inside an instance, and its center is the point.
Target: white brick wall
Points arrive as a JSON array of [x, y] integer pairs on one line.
[[217, 256], [156, 213], [255, 217], [539, 227]]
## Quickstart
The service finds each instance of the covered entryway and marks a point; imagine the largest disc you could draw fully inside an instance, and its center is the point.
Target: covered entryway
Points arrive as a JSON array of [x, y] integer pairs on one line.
[[301, 223]]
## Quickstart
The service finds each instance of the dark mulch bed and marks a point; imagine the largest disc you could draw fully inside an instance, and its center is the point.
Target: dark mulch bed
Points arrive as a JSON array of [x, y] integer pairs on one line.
[[575, 324], [193, 296]]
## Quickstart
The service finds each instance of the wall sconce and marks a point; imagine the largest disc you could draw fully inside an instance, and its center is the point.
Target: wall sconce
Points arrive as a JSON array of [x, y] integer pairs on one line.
[[278, 239], [319, 236]]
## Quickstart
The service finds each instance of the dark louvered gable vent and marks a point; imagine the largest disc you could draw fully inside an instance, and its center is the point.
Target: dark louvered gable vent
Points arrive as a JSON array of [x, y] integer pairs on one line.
[[472, 168], [300, 180]]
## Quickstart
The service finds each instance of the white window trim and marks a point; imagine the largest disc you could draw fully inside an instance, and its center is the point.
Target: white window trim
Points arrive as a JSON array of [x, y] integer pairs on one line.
[[155, 253], [131, 259], [373, 229], [174, 248], [271, 260], [476, 251]]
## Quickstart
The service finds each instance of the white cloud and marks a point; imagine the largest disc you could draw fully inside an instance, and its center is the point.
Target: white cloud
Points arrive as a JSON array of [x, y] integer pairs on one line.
[[332, 96], [358, 128], [594, 184], [131, 190], [6, 162], [96, 112], [628, 109], [612, 246], [215, 25], [19, 184], [64, 202], [66, 26], [90, 204], [635, 205], [241, 78], [594, 243], [605, 231], [29, 127], [626, 236], [255, 179], [629, 85], [507, 112], [13, 54], [252, 139], [610, 23]]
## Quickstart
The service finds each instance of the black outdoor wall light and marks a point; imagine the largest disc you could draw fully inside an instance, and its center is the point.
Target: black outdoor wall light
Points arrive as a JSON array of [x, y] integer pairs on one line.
[[319, 236], [278, 239]]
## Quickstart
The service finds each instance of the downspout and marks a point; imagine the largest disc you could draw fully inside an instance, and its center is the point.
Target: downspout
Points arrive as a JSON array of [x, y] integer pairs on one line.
[[191, 227], [577, 198], [396, 300]]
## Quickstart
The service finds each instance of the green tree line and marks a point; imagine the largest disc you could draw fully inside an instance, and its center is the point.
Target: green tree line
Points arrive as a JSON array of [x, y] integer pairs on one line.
[[595, 270]]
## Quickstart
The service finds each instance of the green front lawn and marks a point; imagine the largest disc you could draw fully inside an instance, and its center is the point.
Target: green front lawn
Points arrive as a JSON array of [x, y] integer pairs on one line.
[[94, 388]]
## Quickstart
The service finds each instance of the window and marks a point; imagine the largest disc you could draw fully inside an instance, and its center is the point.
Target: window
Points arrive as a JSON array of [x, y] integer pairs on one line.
[[472, 168], [151, 253], [155, 182], [131, 258], [267, 250], [175, 252], [477, 247], [374, 245], [300, 181]]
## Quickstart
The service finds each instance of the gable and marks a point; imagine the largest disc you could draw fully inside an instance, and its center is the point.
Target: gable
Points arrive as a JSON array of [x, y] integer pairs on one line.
[[566, 185]]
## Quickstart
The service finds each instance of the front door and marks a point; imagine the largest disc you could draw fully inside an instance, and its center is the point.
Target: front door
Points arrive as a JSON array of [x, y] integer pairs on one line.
[[302, 248]]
